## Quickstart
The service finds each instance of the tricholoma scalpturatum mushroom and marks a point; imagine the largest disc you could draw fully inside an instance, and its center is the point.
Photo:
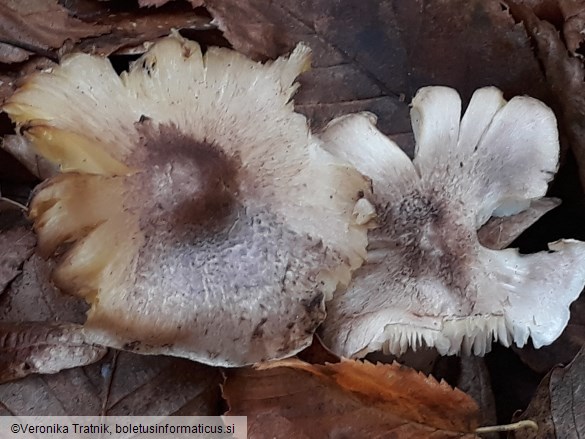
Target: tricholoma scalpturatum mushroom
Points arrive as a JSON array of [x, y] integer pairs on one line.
[[428, 280], [202, 219], [199, 217]]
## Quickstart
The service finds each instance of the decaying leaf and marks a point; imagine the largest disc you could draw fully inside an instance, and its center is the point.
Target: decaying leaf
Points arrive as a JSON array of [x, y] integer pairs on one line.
[[474, 380], [372, 55], [34, 337], [568, 15], [291, 398], [499, 232], [208, 222], [559, 404], [32, 297], [565, 75], [134, 32], [27, 348], [427, 280], [39, 26], [17, 243], [574, 15], [122, 384]]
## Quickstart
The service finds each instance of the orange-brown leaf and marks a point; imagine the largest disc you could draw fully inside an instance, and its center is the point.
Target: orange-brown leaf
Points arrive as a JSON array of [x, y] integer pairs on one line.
[[291, 398]]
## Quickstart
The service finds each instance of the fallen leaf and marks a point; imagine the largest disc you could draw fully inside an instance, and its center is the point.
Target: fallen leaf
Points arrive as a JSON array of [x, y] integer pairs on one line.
[[559, 404], [40, 26], [32, 297], [291, 398], [373, 56], [12, 54], [499, 232], [474, 380], [141, 28], [564, 74], [574, 14], [27, 348], [17, 243], [108, 28], [122, 384]]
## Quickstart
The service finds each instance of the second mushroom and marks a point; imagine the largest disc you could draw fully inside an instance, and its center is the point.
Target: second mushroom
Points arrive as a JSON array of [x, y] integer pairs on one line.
[[428, 281]]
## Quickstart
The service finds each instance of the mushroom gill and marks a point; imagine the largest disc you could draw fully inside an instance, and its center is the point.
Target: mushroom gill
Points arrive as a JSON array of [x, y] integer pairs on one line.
[[194, 211], [428, 280]]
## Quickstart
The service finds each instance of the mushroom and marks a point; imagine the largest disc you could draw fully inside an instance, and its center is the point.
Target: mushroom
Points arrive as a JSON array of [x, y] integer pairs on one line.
[[428, 281], [194, 211]]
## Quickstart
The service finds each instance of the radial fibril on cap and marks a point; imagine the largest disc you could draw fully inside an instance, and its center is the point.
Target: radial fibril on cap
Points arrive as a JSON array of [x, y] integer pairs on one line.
[[203, 218]]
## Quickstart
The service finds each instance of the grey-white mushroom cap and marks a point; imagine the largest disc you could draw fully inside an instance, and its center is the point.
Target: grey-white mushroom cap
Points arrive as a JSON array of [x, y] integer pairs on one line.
[[195, 210], [428, 280]]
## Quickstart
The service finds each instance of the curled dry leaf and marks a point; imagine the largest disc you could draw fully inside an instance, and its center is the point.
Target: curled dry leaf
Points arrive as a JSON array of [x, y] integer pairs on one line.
[[428, 280], [558, 406], [135, 31], [291, 398], [27, 348], [206, 221]]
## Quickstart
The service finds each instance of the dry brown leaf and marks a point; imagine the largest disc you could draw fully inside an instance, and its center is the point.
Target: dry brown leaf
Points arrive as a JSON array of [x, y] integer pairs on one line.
[[120, 385], [559, 404], [372, 55], [107, 29], [498, 233], [139, 28], [291, 398], [32, 297], [474, 380], [27, 348], [16, 244], [564, 74], [40, 26], [574, 14]]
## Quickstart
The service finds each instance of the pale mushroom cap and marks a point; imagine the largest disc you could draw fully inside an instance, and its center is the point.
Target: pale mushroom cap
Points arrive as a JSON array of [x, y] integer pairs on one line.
[[207, 222], [427, 279]]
